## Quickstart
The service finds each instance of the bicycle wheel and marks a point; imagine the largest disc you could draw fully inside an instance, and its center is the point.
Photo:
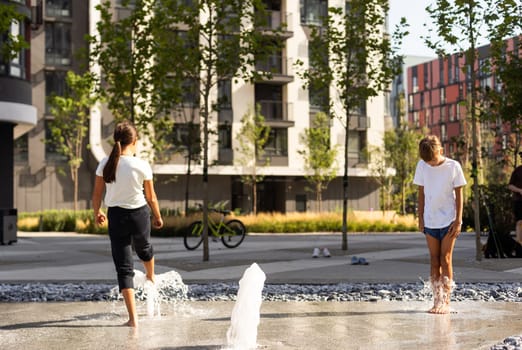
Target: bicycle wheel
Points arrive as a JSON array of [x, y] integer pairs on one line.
[[193, 236], [233, 233]]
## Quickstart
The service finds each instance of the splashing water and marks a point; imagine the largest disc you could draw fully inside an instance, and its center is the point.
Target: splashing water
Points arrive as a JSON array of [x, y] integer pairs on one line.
[[242, 333], [168, 288]]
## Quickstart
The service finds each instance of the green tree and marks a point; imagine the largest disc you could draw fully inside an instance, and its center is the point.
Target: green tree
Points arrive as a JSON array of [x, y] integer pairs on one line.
[[351, 54], [506, 102], [228, 38], [70, 122], [132, 85], [401, 147], [319, 157], [252, 137], [458, 24], [380, 170], [10, 45]]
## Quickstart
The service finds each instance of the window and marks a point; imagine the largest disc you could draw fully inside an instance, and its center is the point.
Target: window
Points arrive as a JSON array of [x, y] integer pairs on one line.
[[57, 43], [187, 139], [270, 98], [300, 203], [414, 79], [58, 8], [225, 136], [318, 96], [277, 143], [358, 109], [442, 96], [450, 71], [313, 11], [21, 149], [416, 121], [426, 81], [51, 148], [456, 68], [191, 93], [225, 94], [16, 67], [54, 85], [443, 113], [443, 133], [441, 71]]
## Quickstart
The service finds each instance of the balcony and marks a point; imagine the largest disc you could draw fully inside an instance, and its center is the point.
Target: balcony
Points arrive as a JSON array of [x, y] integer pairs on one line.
[[276, 21], [359, 122], [278, 67], [276, 113]]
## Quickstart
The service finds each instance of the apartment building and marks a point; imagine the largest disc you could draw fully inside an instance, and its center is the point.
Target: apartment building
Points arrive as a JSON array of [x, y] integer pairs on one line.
[[436, 91], [17, 115], [286, 106], [399, 90]]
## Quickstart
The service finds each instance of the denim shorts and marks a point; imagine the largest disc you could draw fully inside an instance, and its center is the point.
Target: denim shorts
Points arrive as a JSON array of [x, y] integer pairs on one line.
[[437, 233]]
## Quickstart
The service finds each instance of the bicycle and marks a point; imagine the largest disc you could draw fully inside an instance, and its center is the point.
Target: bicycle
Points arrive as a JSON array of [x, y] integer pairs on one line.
[[231, 232]]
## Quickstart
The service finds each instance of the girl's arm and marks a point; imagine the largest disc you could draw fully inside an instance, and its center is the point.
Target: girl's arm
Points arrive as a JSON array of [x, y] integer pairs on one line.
[[97, 193], [457, 224], [152, 200], [420, 209]]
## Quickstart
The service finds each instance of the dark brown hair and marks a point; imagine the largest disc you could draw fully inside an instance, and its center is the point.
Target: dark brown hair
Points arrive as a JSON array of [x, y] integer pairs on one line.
[[428, 147], [124, 134]]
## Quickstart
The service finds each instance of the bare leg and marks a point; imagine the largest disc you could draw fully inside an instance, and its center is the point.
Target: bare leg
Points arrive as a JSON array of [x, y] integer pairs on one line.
[[130, 303], [436, 288], [446, 287], [446, 280], [149, 269], [434, 246]]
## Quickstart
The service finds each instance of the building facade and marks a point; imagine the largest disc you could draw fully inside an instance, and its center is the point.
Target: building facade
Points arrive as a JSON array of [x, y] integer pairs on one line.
[[285, 104], [437, 94], [399, 90], [17, 115]]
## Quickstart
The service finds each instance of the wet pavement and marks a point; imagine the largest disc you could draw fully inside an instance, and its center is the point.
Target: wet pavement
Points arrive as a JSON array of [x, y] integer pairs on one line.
[[291, 325], [396, 257]]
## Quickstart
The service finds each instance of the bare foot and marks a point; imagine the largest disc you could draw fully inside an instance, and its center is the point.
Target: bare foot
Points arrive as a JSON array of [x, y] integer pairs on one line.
[[442, 309], [131, 323]]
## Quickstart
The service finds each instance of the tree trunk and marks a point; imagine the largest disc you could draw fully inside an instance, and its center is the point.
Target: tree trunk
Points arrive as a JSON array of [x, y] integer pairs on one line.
[[187, 186], [475, 150], [75, 184], [254, 197], [205, 179], [318, 196], [345, 185]]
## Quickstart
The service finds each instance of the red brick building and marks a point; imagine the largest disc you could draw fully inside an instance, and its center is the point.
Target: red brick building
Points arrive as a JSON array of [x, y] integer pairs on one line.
[[436, 90]]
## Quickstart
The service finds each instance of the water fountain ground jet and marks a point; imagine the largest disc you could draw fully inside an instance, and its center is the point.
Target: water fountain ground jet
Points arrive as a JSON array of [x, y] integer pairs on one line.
[[242, 333]]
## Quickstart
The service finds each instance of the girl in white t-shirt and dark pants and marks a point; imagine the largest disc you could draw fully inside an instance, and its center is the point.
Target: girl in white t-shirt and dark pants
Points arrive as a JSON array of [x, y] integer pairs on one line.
[[130, 197], [440, 180]]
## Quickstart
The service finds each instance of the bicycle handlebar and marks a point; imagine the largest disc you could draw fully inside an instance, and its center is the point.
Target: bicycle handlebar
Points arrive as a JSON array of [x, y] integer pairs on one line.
[[221, 211]]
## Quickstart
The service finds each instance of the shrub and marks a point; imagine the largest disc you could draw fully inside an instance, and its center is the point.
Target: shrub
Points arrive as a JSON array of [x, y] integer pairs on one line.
[[175, 225], [498, 199]]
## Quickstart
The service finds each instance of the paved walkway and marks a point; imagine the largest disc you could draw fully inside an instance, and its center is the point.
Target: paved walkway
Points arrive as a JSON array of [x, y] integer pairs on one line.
[[392, 257]]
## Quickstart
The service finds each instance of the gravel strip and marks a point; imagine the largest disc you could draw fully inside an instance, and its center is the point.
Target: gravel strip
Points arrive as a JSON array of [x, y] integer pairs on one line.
[[42, 292]]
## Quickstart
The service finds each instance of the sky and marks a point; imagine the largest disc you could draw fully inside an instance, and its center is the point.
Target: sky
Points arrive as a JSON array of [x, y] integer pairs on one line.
[[415, 13]]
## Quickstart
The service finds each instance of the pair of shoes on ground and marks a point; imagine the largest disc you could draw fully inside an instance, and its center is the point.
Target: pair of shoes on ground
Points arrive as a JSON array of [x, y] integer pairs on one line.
[[326, 253], [359, 261]]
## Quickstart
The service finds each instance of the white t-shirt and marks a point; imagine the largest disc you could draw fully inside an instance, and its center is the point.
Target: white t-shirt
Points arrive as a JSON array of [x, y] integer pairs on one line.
[[127, 190], [439, 196]]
